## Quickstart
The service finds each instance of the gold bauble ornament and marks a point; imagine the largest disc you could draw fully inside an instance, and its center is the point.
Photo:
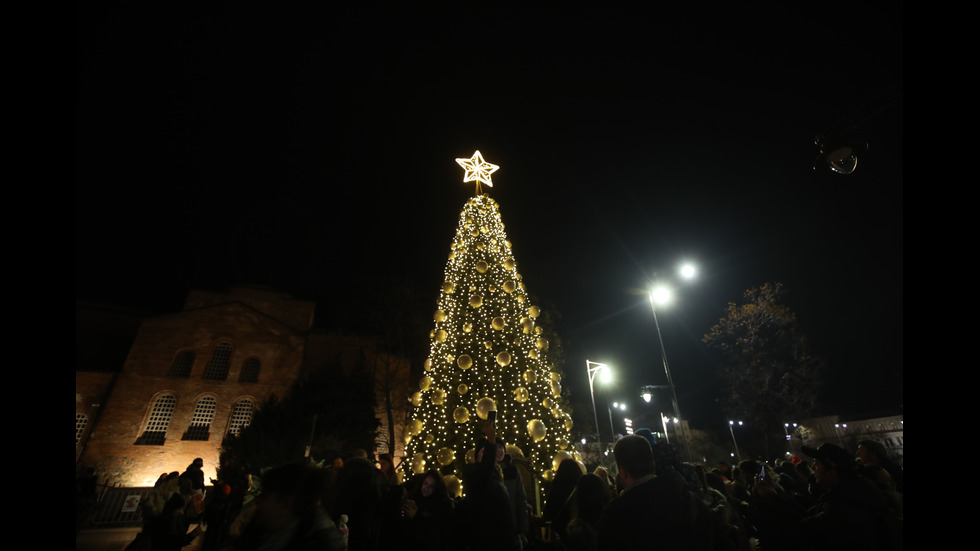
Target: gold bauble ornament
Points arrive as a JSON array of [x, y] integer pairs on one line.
[[439, 315], [568, 423], [448, 287], [503, 358], [467, 327], [556, 388], [484, 406], [497, 323], [428, 364], [509, 263], [464, 361], [413, 427], [430, 438], [533, 354], [555, 376], [530, 376], [547, 403], [521, 394], [445, 456], [454, 486], [476, 300], [559, 457], [462, 389], [534, 311], [548, 475], [440, 335], [538, 330], [470, 455], [527, 325], [541, 343], [425, 382], [438, 396], [537, 430], [416, 398], [418, 463], [510, 286], [481, 267], [461, 415]]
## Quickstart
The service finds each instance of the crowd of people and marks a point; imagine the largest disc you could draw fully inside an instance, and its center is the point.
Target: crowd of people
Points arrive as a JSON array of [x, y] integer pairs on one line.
[[830, 498]]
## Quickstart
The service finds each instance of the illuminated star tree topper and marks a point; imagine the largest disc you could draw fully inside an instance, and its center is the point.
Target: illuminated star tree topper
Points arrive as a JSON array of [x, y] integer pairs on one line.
[[477, 170]]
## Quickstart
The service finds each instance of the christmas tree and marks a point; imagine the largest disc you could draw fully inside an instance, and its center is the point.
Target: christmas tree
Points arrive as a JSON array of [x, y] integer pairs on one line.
[[487, 352]]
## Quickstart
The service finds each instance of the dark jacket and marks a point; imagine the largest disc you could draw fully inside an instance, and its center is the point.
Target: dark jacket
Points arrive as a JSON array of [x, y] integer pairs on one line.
[[658, 512]]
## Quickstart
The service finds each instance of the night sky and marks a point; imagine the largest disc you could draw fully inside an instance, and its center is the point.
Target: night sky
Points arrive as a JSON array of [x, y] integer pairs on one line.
[[312, 150]]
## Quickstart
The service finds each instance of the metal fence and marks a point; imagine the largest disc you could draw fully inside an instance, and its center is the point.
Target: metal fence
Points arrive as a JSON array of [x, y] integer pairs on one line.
[[119, 507]]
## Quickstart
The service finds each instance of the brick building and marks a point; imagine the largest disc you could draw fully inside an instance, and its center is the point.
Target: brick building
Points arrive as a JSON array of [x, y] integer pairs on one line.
[[191, 377]]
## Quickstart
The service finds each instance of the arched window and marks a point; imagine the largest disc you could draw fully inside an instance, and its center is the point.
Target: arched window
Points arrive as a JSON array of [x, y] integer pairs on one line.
[[200, 428], [183, 363], [155, 433], [81, 421], [241, 416], [217, 369], [250, 371]]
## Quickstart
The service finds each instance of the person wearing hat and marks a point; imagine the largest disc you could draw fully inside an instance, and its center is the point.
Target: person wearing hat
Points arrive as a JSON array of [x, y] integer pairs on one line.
[[851, 513]]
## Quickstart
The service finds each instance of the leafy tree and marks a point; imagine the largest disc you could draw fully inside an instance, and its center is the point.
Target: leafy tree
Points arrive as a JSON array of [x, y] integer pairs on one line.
[[332, 413], [770, 371]]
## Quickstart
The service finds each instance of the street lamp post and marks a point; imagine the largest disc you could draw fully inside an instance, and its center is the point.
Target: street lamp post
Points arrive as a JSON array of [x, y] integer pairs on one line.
[[670, 380], [731, 425], [593, 371]]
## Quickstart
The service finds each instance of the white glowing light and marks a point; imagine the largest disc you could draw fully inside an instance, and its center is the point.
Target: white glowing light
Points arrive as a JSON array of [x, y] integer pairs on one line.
[[477, 170]]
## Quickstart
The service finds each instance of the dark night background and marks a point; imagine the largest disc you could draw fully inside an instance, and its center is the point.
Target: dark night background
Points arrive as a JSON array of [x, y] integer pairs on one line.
[[312, 149]]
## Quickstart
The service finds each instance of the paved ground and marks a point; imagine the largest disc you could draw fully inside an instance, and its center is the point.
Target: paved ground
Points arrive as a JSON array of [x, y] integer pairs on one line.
[[115, 539]]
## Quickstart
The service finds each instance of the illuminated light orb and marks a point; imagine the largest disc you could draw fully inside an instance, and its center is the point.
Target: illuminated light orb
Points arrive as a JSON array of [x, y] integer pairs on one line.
[[559, 457], [439, 315], [530, 376], [482, 267], [462, 389], [503, 358], [425, 382], [445, 456], [510, 286], [537, 430], [476, 300], [521, 394], [541, 343], [464, 361], [438, 396], [497, 323], [534, 311], [461, 415], [485, 406], [441, 335]]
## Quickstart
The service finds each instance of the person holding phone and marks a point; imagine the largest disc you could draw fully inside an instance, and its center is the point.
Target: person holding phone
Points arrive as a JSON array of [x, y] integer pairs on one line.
[[484, 519]]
